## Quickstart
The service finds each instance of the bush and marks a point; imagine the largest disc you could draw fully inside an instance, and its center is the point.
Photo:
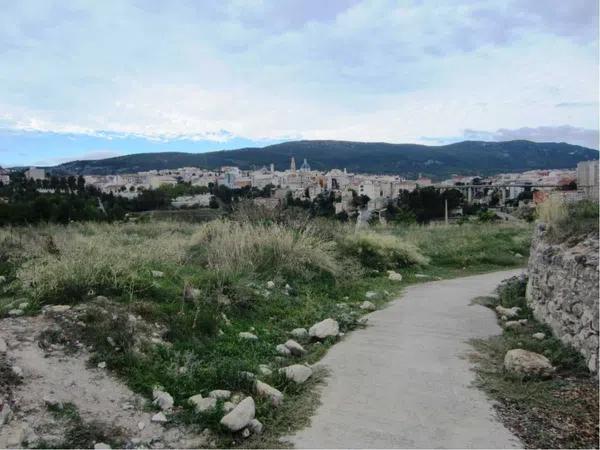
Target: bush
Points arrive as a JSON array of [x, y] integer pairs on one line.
[[266, 250], [573, 222], [381, 251]]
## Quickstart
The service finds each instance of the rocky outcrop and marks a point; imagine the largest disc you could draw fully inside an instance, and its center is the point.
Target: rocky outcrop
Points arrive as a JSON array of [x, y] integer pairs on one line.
[[563, 291]]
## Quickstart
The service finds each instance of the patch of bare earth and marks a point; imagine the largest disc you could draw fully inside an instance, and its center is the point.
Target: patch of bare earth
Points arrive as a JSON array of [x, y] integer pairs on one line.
[[50, 396]]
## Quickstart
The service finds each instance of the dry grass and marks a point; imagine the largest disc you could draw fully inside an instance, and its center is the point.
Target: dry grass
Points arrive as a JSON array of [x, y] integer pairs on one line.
[[232, 248], [553, 210]]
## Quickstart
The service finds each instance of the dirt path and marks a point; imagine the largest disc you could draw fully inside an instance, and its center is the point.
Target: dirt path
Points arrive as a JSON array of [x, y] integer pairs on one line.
[[404, 382]]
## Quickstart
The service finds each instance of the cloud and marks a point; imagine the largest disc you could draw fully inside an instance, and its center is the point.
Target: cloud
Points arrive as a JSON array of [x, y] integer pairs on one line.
[[565, 133]]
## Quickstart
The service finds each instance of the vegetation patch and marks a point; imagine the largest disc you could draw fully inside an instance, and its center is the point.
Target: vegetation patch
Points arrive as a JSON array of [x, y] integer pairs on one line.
[[556, 412]]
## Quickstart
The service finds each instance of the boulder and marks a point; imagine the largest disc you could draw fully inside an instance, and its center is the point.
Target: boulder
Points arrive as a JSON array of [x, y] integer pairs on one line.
[[367, 306], [527, 363], [58, 308], [247, 335], [240, 416], [265, 390], [508, 312], [101, 446], [265, 370], [283, 350], [295, 348], [299, 333], [15, 312], [394, 276], [370, 295], [162, 399], [297, 373], [202, 404], [539, 336], [220, 394], [325, 328]]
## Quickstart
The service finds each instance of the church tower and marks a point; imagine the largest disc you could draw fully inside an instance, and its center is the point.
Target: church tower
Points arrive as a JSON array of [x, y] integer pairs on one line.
[[293, 165]]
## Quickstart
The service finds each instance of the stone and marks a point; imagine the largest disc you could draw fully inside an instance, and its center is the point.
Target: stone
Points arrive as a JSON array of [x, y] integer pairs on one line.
[[247, 375], [240, 416], [527, 363], [245, 433], [367, 306], [265, 370], [162, 399], [17, 371], [370, 295], [518, 255], [15, 312], [52, 402], [220, 394], [299, 333], [270, 284], [159, 417], [508, 312], [523, 321], [23, 305], [324, 329], [539, 336], [58, 308], [102, 365], [512, 324], [158, 274], [264, 390], [247, 335], [283, 350], [101, 446], [394, 276], [3, 346], [141, 426], [295, 348], [5, 413], [297, 373], [202, 404], [2, 279], [256, 426]]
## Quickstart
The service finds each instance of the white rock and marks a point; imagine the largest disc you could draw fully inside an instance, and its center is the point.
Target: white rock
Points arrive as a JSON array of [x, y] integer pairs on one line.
[[58, 308], [265, 370], [255, 426], [368, 306], [2, 279], [23, 305], [246, 433], [394, 276], [512, 324], [539, 336], [297, 373], [270, 284], [247, 335], [17, 371], [283, 350], [299, 333], [295, 348], [3, 346], [158, 274], [159, 417], [527, 363], [101, 446], [508, 312], [162, 399], [240, 416], [102, 365], [265, 390], [15, 312], [325, 328], [523, 321], [221, 394], [370, 295], [202, 404], [141, 426], [247, 375]]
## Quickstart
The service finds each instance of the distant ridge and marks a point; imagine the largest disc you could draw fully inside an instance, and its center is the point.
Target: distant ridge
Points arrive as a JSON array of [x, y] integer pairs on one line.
[[409, 160]]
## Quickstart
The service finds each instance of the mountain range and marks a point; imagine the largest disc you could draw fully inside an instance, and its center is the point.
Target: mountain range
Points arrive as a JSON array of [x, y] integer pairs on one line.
[[409, 160]]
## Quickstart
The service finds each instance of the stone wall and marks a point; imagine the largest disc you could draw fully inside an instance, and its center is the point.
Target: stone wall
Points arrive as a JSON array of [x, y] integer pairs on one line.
[[563, 291]]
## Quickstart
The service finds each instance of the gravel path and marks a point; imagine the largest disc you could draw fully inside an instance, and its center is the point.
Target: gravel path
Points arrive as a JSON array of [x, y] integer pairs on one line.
[[404, 382]]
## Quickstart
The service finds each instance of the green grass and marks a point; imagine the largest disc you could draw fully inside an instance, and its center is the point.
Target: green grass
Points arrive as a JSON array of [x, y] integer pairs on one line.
[[230, 264], [556, 412]]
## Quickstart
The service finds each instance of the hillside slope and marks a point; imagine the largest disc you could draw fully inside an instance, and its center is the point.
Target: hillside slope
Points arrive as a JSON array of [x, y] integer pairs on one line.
[[468, 157]]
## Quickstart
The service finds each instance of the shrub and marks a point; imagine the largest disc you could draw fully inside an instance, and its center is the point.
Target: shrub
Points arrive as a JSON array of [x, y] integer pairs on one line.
[[552, 210], [576, 221], [381, 251], [244, 248]]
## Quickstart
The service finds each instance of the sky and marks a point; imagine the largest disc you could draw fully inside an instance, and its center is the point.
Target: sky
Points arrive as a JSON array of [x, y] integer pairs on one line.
[[90, 79]]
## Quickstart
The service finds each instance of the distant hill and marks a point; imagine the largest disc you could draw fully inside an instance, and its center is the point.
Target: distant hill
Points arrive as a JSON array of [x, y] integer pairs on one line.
[[466, 158]]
